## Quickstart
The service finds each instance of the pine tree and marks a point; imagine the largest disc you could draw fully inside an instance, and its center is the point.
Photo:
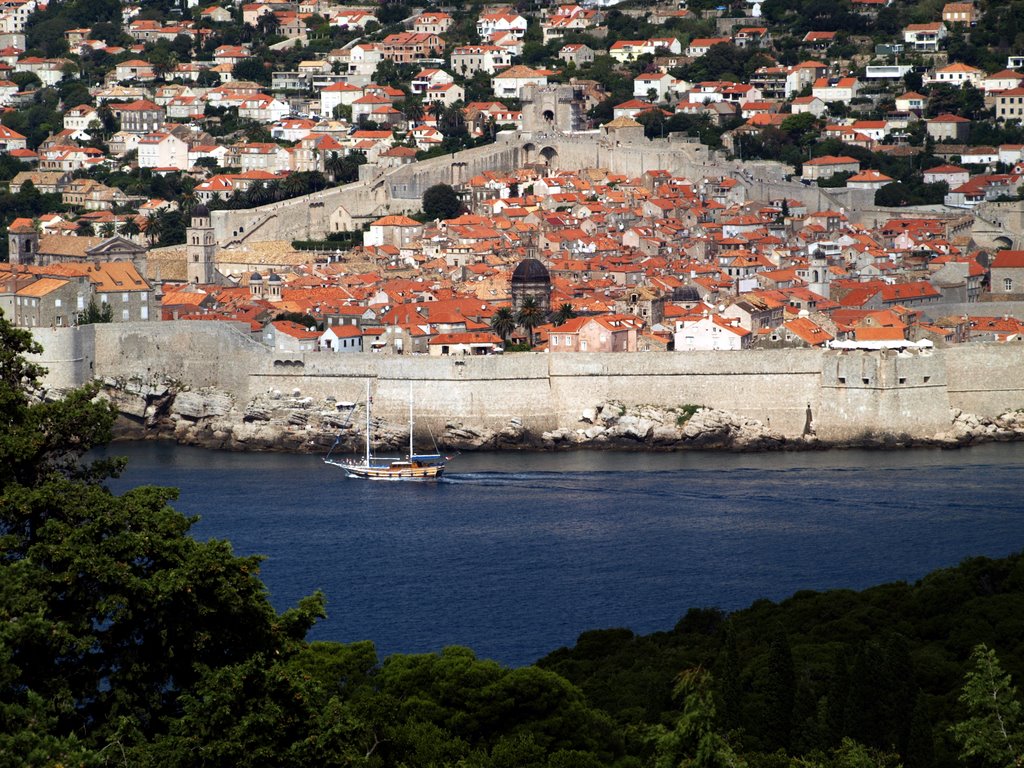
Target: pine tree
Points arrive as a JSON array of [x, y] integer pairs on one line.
[[993, 733]]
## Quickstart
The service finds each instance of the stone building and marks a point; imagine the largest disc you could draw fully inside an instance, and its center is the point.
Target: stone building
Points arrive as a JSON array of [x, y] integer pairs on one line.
[[531, 279], [27, 247], [554, 107]]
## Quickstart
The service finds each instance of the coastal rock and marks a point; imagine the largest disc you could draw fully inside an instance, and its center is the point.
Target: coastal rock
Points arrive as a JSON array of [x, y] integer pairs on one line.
[[270, 421], [198, 405]]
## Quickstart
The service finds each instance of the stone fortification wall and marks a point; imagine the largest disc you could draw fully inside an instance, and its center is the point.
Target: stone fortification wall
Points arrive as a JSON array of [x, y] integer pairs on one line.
[[774, 387], [487, 392], [886, 392], [395, 190], [986, 379], [842, 396], [216, 355]]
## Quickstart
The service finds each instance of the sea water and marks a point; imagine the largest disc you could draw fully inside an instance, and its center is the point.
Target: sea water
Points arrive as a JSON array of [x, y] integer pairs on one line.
[[514, 555]]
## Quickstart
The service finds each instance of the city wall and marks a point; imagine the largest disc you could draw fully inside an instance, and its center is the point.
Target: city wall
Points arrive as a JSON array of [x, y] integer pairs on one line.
[[400, 190], [840, 395]]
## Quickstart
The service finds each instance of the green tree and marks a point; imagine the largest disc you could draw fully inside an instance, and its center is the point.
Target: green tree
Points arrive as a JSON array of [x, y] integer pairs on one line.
[[530, 315], [503, 322], [993, 733], [564, 313], [441, 201], [780, 691], [96, 313], [695, 742], [112, 613], [130, 228]]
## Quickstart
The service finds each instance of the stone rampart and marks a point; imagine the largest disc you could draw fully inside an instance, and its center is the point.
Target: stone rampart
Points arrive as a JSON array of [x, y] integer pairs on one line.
[[841, 396], [986, 379]]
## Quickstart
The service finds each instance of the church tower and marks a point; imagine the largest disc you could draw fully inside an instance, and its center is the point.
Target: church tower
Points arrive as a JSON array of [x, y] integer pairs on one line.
[[22, 242], [200, 247]]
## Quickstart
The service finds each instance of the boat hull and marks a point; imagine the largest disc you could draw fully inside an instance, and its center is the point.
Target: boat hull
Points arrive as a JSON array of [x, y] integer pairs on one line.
[[394, 473]]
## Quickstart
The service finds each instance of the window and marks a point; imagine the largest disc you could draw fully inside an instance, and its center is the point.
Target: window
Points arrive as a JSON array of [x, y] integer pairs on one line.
[[144, 312], [124, 315], [56, 303], [1008, 284], [124, 297], [554, 341]]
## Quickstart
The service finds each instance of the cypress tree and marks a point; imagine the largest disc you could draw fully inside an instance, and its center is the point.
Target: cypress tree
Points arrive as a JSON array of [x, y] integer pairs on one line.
[[780, 692], [920, 751], [838, 692]]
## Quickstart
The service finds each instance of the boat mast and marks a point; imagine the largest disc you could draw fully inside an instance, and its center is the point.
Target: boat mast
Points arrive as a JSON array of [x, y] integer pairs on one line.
[[367, 422], [410, 422]]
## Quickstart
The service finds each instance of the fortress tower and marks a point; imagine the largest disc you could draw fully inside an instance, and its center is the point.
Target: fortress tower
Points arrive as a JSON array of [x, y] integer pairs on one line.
[[552, 108]]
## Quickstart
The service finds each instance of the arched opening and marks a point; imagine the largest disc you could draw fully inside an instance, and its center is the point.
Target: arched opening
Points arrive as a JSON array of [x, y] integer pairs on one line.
[[529, 149], [550, 154], [549, 116], [814, 276], [1004, 242]]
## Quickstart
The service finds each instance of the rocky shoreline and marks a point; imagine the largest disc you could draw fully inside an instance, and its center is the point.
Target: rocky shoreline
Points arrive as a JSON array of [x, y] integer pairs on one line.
[[278, 422]]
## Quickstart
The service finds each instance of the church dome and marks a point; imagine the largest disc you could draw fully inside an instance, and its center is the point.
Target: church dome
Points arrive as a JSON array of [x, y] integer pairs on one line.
[[530, 271], [201, 212], [274, 278], [685, 293], [255, 277]]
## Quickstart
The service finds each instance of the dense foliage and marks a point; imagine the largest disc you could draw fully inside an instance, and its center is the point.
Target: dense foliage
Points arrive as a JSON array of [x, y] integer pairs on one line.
[[123, 641]]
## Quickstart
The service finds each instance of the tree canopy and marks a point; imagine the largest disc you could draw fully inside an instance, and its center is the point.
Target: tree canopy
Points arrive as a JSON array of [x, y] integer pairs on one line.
[[441, 202]]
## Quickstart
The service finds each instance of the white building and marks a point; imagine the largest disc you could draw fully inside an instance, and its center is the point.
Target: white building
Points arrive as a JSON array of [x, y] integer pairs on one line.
[[163, 150], [711, 332]]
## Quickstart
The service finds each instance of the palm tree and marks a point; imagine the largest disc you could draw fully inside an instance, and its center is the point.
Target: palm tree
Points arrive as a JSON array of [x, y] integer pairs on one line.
[[107, 229], [130, 228], [85, 228], [257, 194], [334, 165], [188, 202], [530, 315], [153, 227], [413, 110], [293, 185], [563, 313], [503, 322]]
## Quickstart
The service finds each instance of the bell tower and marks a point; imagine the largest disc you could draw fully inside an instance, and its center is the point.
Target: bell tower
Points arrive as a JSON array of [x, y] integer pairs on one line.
[[22, 242], [201, 247]]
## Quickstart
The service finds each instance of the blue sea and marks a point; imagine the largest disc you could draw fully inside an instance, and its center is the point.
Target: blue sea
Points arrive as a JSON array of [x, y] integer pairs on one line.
[[514, 555]]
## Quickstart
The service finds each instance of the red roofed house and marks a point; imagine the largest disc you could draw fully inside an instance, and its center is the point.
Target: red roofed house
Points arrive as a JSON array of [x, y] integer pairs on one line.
[[341, 339], [286, 336], [1007, 273], [392, 230], [924, 37], [829, 165], [604, 333], [1010, 105], [11, 140]]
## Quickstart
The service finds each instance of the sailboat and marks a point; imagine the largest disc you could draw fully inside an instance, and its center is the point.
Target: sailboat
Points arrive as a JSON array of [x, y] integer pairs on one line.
[[422, 466]]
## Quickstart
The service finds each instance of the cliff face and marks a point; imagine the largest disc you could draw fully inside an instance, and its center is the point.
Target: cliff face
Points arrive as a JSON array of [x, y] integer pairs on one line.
[[274, 422]]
